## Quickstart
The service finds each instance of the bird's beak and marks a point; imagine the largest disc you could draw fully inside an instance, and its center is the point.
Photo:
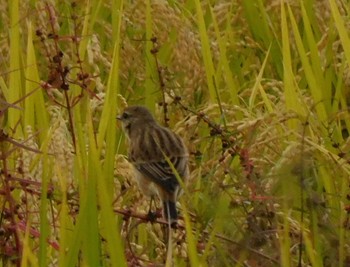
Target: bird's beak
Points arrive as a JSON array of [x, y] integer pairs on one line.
[[119, 117]]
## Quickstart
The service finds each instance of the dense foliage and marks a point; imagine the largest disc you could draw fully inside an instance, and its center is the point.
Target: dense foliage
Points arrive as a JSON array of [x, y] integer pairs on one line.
[[259, 90]]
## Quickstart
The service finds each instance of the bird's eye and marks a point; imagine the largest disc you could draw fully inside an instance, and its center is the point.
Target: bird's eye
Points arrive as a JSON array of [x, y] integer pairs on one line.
[[125, 115]]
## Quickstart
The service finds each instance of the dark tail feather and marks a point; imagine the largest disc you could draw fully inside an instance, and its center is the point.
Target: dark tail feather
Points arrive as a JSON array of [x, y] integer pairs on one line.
[[170, 212]]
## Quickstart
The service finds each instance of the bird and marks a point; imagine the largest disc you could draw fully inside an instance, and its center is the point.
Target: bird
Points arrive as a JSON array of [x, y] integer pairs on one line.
[[151, 148]]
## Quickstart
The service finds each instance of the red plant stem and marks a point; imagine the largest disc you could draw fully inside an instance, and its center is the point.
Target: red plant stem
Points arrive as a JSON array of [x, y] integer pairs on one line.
[[12, 211]]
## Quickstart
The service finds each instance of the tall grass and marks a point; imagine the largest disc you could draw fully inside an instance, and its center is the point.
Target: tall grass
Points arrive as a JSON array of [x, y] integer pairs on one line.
[[257, 89]]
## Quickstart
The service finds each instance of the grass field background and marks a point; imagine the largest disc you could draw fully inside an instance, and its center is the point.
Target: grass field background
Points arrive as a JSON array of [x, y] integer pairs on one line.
[[259, 90]]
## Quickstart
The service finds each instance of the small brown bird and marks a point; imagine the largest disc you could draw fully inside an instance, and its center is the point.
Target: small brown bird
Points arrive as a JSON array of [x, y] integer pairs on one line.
[[151, 147]]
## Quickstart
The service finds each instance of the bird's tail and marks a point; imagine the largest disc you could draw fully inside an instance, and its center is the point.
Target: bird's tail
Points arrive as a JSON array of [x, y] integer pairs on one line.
[[170, 212]]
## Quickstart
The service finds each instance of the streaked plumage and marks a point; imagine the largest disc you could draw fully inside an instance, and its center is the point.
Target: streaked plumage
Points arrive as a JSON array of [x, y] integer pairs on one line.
[[149, 146]]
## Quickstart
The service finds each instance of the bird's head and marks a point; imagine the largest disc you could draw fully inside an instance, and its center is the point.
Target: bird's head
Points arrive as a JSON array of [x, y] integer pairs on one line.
[[135, 117]]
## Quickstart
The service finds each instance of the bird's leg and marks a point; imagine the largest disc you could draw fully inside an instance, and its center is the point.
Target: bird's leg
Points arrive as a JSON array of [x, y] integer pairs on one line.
[[152, 216]]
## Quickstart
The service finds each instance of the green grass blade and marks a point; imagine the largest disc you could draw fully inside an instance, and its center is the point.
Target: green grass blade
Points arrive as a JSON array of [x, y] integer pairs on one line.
[[206, 53], [108, 116], [15, 84], [151, 83], [290, 87], [44, 205], [36, 114], [309, 74], [228, 76], [108, 223], [257, 87], [343, 32], [191, 241]]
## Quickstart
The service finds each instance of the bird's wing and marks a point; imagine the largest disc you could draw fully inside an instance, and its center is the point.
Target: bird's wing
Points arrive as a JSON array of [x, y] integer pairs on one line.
[[161, 173]]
